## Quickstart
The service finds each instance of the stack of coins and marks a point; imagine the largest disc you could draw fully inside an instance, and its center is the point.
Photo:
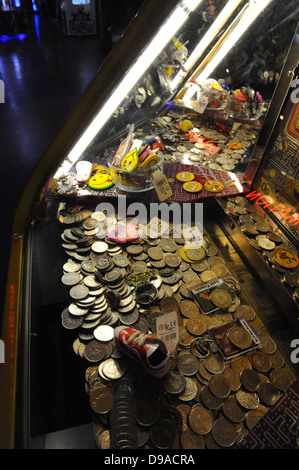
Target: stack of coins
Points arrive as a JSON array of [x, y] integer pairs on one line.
[[203, 401]]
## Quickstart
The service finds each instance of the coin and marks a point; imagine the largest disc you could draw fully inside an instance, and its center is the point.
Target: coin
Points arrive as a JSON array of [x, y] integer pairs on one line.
[[174, 382], [268, 344], [163, 433], [245, 311], [250, 379], [71, 278], [112, 368], [196, 326], [254, 416], [265, 243], [260, 361], [232, 410], [190, 440], [219, 386], [101, 398], [200, 419], [172, 260], [209, 400], [196, 254], [99, 247], [219, 269], [248, 400], [239, 337], [95, 351], [224, 432], [190, 391], [214, 363], [189, 309], [169, 304], [281, 378], [187, 364], [79, 292], [104, 333], [221, 298], [233, 377], [69, 321], [268, 393]]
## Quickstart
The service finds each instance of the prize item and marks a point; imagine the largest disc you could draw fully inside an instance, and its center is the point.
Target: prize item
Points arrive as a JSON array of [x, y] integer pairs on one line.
[[67, 184], [83, 169], [133, 166], [100, 181], [235, 338], [212, 295], [184, 176], [246, 104], [192, 187], [149, 351], [215, 93], [285, 258], [214, 186]]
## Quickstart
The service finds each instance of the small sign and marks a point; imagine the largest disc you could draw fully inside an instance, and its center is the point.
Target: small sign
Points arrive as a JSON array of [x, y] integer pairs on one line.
[[201, 104]]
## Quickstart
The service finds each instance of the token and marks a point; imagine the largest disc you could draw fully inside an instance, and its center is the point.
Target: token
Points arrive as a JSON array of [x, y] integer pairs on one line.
[[285, 258], [239, 337], [100, 181], [184, 176], [192, 187], [214, 186]]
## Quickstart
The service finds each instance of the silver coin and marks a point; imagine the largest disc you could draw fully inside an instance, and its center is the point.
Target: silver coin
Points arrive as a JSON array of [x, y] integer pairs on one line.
[[104, 333]]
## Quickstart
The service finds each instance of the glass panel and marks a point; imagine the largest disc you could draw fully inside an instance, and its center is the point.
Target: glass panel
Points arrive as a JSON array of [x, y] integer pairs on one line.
[[217, 60]]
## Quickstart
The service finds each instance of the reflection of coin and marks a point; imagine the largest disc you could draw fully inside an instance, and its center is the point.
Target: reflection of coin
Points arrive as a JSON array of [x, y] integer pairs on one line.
[[224, 432], [221, 298], [239, 337]]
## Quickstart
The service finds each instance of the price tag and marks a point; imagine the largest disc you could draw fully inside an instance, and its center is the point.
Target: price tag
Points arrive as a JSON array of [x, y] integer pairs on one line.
[[161, 186], [168, 331], [201, 104]]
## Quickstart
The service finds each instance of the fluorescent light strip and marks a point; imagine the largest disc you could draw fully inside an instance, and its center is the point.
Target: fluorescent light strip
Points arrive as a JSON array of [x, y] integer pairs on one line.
[[207, 39], [249, 15], [169, 28]]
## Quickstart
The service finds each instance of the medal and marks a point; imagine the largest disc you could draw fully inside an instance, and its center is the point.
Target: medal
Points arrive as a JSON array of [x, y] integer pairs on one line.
[[214, 186]]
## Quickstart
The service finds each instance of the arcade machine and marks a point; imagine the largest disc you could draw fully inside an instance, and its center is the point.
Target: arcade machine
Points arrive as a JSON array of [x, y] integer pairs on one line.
[[78, 17], [152, 291]]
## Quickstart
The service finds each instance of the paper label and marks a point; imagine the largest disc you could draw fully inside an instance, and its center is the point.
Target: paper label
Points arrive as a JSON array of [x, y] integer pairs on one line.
[[201, 104], [168, 331], [161, 186]]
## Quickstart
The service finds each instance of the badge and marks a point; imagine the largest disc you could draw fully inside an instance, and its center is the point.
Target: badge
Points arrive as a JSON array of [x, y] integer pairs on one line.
[[130, 161], [184, 176], [100, 181], [192, 186], [214, 186]]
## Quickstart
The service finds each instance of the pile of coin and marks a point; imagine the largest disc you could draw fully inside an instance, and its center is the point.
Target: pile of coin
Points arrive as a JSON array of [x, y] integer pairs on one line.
[[229, 146], [266, 239], [204, 400]]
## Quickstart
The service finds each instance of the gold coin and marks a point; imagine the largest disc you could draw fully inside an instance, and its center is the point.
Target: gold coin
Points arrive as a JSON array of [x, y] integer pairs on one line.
[[224, 432], [219, 269], [200, 419], [196, 326], [239, 337], [189, 309], [221, 298], [207, 275]]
